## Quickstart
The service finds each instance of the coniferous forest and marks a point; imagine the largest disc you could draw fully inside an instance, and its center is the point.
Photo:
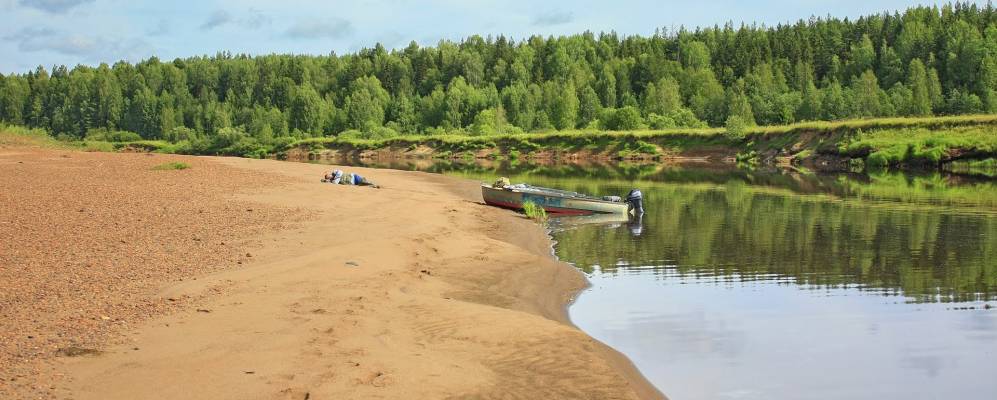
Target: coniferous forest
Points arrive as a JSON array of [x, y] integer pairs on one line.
[[919, 62]]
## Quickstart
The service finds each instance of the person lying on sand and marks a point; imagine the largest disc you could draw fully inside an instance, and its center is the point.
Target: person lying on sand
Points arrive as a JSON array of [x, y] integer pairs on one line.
[[337, 177]]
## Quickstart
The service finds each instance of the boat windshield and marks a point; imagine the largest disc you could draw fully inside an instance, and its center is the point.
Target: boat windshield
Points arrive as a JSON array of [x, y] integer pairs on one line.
[[522, 187]]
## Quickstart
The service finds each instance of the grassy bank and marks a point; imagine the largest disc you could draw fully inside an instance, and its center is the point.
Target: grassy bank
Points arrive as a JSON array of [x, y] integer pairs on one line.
[[899, 143], [873, 143]]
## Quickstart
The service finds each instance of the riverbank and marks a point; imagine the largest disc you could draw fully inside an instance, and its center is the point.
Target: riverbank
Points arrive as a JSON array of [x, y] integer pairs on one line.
[[853, 145], [415, 290]]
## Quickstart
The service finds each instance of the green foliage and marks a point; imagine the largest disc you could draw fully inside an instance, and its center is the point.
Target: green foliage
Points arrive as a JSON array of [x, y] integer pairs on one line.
[[987, 167], [624, 119], [677, 118], [918, 80], [171, 166], [105, 135], [535, 212], [19, 135], [636, 149], [97, 146], [917, 146], [749, 157], [736, 128]]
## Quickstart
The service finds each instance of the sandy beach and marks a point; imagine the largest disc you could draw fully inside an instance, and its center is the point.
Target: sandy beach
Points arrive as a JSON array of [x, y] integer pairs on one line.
[[245, 278]]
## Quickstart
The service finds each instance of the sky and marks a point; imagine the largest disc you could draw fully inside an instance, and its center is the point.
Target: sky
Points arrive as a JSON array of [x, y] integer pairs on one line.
[[71, 32]]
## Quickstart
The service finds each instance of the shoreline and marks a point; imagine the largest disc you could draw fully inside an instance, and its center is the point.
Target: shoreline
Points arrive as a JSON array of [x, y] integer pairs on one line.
[[644, 388], [448, 299]]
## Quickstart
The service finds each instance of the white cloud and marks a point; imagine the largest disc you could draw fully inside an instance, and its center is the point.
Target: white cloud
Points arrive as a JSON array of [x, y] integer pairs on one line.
[[80, 47], [252, 19], [53, 6]]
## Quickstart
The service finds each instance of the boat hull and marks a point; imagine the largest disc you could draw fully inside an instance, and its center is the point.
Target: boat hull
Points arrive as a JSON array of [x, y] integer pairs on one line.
[[514, 199]]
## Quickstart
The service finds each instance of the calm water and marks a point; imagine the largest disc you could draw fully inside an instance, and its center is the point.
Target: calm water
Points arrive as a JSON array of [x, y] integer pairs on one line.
[[751, 285]]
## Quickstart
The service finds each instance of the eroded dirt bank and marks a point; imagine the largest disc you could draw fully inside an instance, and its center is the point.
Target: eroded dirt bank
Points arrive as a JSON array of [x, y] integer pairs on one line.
[[414, 290]]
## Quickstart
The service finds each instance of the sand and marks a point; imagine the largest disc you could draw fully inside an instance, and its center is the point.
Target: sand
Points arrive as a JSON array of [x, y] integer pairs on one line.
[[412, 291]]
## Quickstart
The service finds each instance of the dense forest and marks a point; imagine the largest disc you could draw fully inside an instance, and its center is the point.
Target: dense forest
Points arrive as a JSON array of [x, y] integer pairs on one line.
[[924, 61]]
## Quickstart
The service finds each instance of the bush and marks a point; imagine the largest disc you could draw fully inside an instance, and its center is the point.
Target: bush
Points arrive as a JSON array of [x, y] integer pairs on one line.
[[351, 134], [661, 122], [646, 148], [679, 118], [685, 118], [106, 135], [535, 212], [736, 128], [171, 166], [105, 147], [282, 143], [380, 133], [624, 119], [877, 161], [181, 133]]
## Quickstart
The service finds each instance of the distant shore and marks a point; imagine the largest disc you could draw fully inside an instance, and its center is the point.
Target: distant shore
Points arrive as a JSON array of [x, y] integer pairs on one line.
[[415, 290]]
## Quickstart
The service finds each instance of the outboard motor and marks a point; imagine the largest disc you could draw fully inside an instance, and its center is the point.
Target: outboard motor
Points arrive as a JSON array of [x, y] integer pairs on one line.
[[635, 202]]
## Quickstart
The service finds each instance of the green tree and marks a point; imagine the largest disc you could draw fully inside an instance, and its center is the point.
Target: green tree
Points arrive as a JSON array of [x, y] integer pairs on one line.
[[14, 93], [988, 74], [916, 40], [964, 50], [811, 106], [606, 85], [738, 106], [901, 101], [623, 119], [563, 102], [835, 103], [589, 106], [305, 113], [662, 97], [891, 68], [862, 57], [935, 90], [917, 80], [694, 55], [867, 95]]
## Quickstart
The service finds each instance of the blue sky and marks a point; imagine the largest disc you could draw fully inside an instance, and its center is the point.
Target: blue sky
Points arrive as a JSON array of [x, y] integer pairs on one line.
[[70, 32]]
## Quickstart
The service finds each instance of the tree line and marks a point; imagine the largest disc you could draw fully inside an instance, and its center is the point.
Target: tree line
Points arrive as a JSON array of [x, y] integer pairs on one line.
[[923, 61]]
